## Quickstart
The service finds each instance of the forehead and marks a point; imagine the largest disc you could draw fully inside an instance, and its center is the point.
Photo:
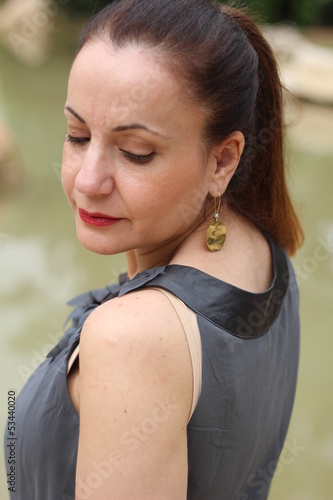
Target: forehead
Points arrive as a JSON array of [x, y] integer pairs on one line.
[[128, 83]]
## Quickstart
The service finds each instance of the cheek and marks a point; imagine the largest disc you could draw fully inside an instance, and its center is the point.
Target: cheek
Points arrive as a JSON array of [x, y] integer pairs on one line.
[[180, 202]]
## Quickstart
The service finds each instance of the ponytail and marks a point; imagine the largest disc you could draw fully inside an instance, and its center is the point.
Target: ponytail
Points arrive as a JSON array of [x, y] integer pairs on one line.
[[268, 200]]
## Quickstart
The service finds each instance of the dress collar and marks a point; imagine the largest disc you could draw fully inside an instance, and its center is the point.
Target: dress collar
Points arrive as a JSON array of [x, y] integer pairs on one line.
[[239, 312]]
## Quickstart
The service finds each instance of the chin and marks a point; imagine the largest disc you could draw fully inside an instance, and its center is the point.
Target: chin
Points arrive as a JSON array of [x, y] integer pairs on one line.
[[102, 249], [100, 245], [99, 250]]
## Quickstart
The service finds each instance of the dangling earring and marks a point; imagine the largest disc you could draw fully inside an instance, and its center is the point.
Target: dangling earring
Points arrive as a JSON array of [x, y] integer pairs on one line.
[[217, 231]]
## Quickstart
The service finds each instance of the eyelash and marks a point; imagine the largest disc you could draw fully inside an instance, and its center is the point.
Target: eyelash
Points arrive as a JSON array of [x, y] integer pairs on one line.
[[140, 159], [77, 141]]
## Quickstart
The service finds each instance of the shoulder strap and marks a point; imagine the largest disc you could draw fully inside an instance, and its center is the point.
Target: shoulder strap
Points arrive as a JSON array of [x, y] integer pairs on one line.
[[73, 357], [189, 322]]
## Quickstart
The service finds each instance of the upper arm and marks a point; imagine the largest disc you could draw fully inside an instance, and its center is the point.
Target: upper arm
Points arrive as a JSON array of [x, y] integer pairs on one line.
[[135, 399]]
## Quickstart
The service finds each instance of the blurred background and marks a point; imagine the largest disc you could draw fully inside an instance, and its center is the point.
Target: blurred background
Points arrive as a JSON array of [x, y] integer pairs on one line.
[[42, 265]]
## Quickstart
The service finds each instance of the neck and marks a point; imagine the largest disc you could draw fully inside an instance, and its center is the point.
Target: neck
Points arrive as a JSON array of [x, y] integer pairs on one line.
[[142, 259], [139, 260]]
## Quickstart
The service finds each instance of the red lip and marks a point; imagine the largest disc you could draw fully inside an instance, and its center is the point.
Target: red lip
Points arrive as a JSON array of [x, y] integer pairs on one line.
[[97, 219]]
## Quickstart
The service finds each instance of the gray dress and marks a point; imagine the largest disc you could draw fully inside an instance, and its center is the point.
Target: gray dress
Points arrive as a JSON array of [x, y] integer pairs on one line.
[[250, 345]]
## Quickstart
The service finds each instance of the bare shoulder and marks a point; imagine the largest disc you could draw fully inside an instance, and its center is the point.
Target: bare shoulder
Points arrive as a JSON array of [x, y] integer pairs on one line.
[[141, 331], [136, 383], [144, 319]]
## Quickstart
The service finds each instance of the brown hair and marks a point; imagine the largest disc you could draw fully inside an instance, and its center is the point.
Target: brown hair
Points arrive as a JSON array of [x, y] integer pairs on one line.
[[232, 73]]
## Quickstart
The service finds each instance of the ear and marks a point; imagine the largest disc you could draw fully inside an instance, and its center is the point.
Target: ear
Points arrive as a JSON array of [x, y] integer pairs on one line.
[[227, 156]]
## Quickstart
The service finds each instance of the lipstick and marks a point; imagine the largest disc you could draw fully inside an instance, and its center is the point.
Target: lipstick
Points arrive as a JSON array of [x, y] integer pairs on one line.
[[97, 219]]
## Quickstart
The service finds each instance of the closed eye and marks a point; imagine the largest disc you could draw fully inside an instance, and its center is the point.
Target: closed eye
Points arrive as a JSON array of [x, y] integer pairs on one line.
[[141, 159], [77, 140]]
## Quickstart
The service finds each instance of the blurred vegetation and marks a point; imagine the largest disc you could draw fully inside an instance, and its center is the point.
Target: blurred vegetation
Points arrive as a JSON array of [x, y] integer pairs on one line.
[[301, 12]]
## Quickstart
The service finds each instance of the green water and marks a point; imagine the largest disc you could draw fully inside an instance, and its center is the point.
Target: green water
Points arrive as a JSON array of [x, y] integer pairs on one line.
[[42, 266]]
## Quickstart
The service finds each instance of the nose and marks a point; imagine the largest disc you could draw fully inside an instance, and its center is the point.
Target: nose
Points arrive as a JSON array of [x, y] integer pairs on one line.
[[94, 177]]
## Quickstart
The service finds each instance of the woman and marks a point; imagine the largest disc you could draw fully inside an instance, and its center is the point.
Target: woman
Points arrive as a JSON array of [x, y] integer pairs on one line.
[[173, 155]]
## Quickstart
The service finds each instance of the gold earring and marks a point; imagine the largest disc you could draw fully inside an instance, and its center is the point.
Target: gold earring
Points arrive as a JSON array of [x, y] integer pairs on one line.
[[217, 231]]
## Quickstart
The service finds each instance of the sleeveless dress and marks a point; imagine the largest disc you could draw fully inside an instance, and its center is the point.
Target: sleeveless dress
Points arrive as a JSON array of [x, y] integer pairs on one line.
[[250, 349]]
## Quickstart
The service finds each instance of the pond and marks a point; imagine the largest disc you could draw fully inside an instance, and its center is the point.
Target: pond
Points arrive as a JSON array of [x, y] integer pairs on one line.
[[42, 265]]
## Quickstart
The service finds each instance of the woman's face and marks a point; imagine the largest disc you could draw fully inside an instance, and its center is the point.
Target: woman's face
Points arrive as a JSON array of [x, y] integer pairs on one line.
[[134, 170]]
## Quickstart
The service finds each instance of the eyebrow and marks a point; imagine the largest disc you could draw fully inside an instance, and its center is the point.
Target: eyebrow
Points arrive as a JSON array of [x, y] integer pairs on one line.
[[136, 126], [120, 128], [74, 113]]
